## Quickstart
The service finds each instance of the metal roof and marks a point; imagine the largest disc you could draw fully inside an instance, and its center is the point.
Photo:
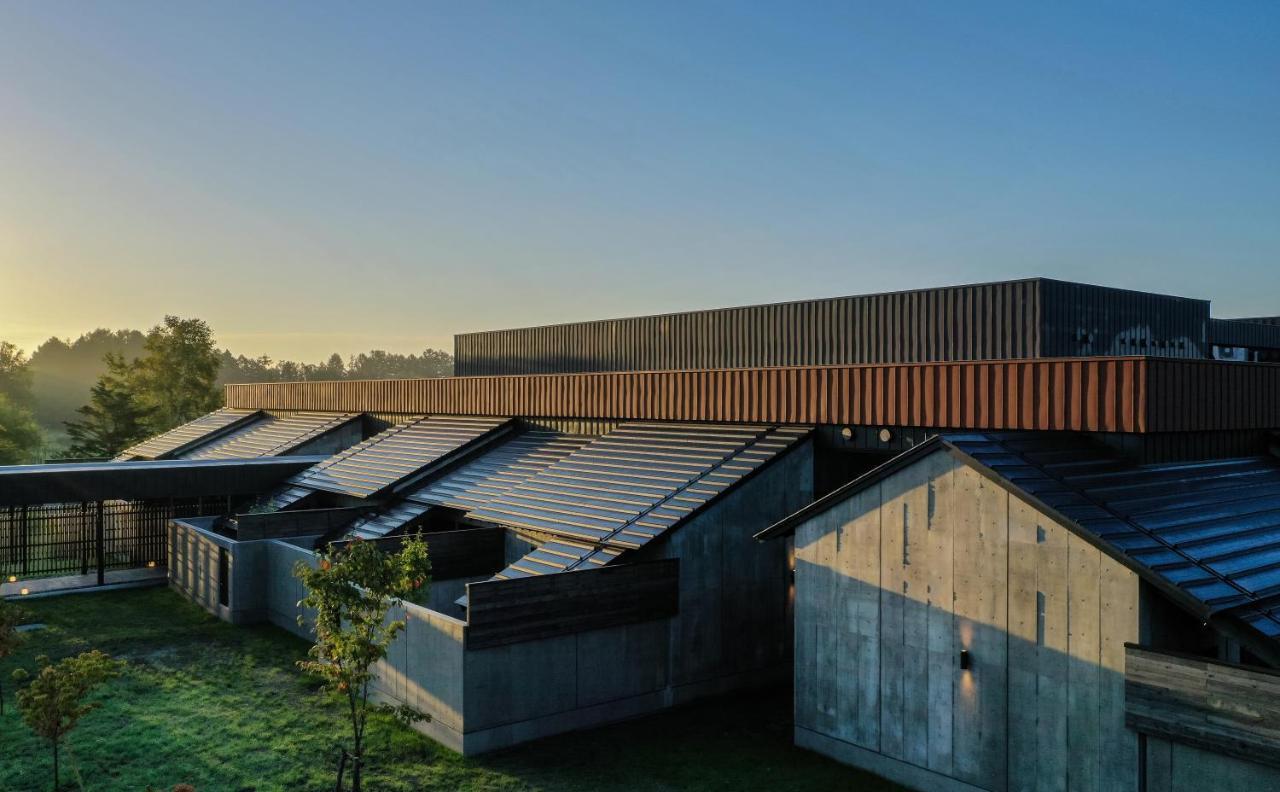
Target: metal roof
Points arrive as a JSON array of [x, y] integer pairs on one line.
[[475, 482], [397, 455], [272, 435], [1207, 533], [177, 440], [629, 486], [143, 479]]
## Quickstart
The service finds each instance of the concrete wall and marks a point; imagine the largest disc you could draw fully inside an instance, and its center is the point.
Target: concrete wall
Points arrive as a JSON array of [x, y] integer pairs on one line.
[[734, 591], [893, 583], [1172, 767], [732, 629], [193, 570]]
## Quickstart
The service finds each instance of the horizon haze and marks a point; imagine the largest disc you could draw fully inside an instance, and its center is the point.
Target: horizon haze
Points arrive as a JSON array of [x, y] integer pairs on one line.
[[319, 178]]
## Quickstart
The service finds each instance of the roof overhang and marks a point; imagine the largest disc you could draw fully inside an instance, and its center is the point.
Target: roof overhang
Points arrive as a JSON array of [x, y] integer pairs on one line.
[[22, 485]]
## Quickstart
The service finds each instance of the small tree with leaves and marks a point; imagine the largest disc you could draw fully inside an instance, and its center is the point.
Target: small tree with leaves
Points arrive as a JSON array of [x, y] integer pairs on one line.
[[351, 590], [54, 701], [10, 617]]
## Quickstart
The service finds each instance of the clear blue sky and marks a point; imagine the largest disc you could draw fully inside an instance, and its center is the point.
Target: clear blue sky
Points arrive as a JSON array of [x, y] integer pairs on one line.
[[320, 177]]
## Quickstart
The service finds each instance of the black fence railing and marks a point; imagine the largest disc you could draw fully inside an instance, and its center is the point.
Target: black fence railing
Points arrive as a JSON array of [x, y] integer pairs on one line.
[[56, 539]]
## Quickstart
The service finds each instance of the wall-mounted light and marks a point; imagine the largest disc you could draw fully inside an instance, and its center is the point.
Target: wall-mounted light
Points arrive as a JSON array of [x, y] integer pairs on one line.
[[151, 565], [965, 662], [13, 578], [885, 435], [25, 592], [847, 433]]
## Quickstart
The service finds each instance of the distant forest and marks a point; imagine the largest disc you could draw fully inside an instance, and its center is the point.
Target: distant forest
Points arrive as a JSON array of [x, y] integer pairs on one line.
[[62, 372]]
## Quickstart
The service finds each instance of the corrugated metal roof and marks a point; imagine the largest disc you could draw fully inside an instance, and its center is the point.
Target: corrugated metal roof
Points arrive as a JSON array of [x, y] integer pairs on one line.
[[396, 455], [629, 486], [1207, 533], [1211, 529], [272, 435], [177, 440], [476, 482]]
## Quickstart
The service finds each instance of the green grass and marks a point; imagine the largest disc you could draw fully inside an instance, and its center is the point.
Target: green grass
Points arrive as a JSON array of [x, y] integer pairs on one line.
[[225, 709]]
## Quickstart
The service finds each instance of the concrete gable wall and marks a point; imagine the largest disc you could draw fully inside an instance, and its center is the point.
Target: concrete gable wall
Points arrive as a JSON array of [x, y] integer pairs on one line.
[[895, 581]]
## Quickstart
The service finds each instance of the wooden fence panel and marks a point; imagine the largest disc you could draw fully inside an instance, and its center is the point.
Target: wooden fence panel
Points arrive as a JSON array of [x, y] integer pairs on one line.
[[1228, 709], [525, 609]]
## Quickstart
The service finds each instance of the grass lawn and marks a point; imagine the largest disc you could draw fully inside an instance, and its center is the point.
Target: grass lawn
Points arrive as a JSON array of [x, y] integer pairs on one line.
[[225, 709]]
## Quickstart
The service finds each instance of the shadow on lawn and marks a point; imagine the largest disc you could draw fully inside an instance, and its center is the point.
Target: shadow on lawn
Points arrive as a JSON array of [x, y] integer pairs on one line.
[[225, 708]]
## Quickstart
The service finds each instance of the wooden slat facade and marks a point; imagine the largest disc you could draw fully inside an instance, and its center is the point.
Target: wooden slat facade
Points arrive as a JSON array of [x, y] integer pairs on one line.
[[1098, 394], [1223, 708], [513, 611]]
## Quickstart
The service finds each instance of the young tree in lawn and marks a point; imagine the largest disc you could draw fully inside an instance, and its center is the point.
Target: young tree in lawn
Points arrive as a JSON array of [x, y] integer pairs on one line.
[[54, 701], [114, 419], [351, 591], [10, 617]]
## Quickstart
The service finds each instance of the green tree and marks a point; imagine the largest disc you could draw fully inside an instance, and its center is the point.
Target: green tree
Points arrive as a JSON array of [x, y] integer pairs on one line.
[[10, 617], [54, 702], [15, 375], [113, 419], [352, 589], [175, 379], [20, 438]]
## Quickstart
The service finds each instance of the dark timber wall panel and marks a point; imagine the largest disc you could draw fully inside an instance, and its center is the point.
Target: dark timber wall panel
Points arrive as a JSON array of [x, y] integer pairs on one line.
[[995, 321], [989, 321], [512, 611], [1224, 708]]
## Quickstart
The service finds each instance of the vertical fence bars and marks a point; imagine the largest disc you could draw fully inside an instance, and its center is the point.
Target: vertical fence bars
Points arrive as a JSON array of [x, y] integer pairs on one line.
[[55, 539]]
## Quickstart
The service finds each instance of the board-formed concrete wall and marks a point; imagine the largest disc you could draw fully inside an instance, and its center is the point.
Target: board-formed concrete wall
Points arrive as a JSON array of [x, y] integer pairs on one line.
[[731, 631], [1173, 767], [894, 582], [194, 551]]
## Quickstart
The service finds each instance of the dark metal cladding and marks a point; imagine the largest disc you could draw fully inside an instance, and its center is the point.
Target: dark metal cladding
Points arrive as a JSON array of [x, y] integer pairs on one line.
[[1248, 333], [995, 321], [1080, 320], [144, 480]]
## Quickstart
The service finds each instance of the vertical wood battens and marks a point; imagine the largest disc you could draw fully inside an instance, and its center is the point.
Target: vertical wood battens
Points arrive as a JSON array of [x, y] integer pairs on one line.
[[1078, 394]]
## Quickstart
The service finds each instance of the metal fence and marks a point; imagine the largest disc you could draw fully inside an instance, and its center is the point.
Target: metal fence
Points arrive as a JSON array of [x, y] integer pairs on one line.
[[57, 539]]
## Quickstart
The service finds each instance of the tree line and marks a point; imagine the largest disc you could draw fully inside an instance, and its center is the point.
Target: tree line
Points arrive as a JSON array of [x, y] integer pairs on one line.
[[108, 389]]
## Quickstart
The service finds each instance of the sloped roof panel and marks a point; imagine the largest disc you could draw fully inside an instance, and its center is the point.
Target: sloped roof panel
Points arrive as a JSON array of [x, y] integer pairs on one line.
[[271, 436], [396, 455], [475, 482], [177, 440], [629, 486]]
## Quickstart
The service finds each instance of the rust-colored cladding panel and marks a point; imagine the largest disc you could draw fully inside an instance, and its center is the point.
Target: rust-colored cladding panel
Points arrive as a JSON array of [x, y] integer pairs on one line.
[[1116, 394]]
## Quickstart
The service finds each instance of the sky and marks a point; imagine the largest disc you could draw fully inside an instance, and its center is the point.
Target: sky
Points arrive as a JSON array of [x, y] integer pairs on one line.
[[319, 177]]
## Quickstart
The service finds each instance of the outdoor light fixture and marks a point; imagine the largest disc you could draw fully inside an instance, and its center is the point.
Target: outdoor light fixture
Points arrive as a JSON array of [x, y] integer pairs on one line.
[[13, 578], [964, 660], [151, 565], [847, 433], [885, 435], [25, 592]]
